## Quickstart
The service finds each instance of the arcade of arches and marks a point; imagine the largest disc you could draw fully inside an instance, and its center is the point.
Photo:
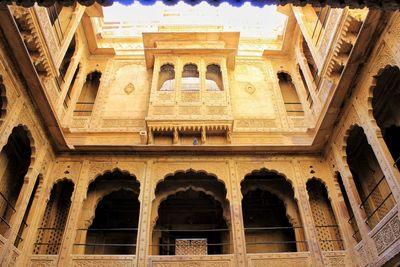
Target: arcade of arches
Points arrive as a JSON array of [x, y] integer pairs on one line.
[[199, 136]]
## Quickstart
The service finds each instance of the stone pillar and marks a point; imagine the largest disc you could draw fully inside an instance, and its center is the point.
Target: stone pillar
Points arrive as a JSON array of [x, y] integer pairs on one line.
[[237, 224], [382, 154], [355, 202], [42, 195], [144, 231], [73, 216], [22, 202], [341, 215], [306, 215]]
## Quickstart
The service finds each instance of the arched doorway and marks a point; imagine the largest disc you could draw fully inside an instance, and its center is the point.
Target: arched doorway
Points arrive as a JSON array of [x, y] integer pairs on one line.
[[15, 158], [191, 217], [270, 214], [109, 216]]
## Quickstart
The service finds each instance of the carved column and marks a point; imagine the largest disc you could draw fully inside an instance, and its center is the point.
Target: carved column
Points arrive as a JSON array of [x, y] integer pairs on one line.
[[237, 224], [354, 199], [385, 160], [20, 207], [42, 196], [144, 233], [307, 217], [73, 216]]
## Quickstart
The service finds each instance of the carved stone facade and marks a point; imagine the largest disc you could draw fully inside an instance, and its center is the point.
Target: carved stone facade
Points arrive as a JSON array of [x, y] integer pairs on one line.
[[183, 126]]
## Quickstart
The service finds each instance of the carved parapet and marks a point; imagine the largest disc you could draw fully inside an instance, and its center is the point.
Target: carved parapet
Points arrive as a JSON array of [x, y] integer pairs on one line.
[[187, 132]]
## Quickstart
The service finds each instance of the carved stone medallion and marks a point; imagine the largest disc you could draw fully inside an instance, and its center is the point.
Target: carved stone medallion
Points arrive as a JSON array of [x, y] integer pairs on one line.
[[129, 88], [250, 89]]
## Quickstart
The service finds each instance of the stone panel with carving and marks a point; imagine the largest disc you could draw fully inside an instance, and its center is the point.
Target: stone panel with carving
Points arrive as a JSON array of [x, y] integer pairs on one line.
[[43, 261], [387, 234], [190, 96], [300, 259], [80, 123], [335, 258], [245, 124], [103, 261], [192, 261], [191, 247]]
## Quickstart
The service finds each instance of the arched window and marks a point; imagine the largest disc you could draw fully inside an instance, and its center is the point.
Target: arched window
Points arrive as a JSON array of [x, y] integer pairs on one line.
[[14, 161], [84, 106], [214, 78], [291, 99], [328, 231], [386, 109], [191, 216], [54, 219], [271, 217], [374, 192], [190, 78], [109, 216], [166, 78]]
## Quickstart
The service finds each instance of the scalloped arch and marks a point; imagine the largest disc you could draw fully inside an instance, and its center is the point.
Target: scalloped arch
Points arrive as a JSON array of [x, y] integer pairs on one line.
[[379, 70], [190, 170], [106, 171]]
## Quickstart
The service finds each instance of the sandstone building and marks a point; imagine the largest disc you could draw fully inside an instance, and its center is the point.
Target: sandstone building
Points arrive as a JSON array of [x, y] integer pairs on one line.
[[199, 136]]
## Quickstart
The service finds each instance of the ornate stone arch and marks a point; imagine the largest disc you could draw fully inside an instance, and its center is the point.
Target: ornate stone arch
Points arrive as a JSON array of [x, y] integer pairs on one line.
[[278, 173], [167, 174], [99, 171], [89, 220], [157, 202], [378, 70]]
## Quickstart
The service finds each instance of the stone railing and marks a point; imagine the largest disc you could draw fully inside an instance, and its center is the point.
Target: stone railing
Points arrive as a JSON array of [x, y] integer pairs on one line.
[[189, 261]]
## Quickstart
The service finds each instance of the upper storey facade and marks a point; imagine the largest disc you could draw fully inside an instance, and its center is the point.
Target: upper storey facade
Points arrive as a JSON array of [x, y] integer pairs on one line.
[[214, 85]]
